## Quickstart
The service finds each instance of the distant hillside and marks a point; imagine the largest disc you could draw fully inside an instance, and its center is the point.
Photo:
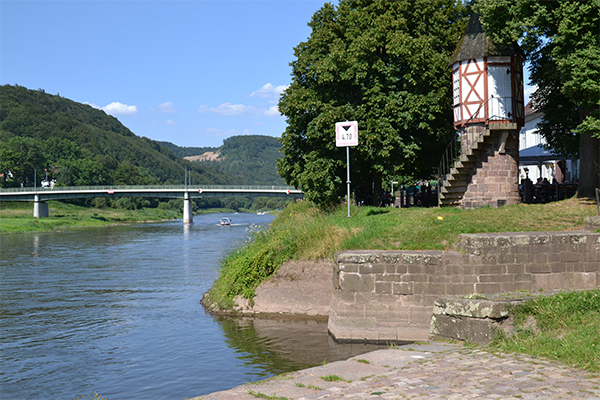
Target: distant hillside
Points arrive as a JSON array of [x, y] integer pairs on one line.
[[186, 151], [251, 159], [77, 144]]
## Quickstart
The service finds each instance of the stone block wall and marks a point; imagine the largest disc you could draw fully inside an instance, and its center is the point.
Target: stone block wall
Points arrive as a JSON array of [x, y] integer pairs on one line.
[[495, 179], [385, 296]]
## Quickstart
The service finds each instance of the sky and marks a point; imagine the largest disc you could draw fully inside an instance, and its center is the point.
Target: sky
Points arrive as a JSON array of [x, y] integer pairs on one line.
[[191, 72]]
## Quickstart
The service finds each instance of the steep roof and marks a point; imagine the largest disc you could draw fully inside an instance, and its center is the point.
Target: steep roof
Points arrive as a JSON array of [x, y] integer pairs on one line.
[[476, 44]]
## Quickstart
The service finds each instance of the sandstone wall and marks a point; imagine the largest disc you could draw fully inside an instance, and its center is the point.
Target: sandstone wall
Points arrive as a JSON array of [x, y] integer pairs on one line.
[[495, 181], [389, 295]]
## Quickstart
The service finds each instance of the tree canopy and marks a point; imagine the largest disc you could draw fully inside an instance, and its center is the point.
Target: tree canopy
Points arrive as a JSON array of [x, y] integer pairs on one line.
[[561, 40], [251, 158], [384, 64]]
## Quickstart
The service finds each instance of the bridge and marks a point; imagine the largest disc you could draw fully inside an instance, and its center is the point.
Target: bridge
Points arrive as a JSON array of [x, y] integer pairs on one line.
[[40, 196]]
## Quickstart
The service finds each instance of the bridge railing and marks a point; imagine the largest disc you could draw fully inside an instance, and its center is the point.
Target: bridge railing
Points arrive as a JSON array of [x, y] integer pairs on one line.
[[191, 188]]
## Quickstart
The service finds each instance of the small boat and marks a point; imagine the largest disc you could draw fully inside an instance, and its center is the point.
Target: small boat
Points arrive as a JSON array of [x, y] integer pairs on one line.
[[225, 222]]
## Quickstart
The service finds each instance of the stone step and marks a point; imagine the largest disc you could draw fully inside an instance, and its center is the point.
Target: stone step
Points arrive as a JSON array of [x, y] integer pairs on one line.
[[453, 181], [453, 189], [459, 173], [450, 198]]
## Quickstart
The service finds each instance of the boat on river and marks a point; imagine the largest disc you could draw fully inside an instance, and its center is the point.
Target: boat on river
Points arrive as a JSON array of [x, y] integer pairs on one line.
[[225, 222]]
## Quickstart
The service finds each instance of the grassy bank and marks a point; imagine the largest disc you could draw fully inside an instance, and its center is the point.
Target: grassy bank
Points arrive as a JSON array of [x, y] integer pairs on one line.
[[17, 217], [564, 327], [304, 232]]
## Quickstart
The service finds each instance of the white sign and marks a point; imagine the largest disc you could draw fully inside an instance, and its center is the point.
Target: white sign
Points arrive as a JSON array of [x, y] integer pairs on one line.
[[346, 134]]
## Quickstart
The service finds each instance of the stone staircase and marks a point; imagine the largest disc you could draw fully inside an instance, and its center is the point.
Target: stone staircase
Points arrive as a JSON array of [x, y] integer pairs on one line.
[[454, 184]]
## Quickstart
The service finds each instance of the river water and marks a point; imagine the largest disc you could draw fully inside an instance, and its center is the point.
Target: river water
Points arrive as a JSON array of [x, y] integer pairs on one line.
[[116, 311]]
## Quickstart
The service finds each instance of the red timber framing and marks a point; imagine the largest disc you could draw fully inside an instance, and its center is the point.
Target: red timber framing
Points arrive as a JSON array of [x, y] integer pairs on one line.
[[473, 77], [472, 93]]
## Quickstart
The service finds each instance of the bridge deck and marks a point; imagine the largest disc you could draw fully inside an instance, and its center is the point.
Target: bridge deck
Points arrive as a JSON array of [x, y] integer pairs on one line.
[[169, 192]]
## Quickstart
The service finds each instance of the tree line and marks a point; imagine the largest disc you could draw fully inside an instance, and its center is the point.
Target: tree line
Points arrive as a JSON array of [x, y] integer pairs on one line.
[[385, 64]]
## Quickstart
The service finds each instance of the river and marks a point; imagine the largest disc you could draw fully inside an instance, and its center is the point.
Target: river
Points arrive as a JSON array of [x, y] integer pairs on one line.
[[116, 310]]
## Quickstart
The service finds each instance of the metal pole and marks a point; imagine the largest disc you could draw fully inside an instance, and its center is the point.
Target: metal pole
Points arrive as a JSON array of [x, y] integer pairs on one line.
[[348, 176]]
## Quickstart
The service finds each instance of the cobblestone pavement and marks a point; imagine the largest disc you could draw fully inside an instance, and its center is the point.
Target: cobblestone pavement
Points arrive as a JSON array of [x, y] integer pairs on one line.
[[427, 371]]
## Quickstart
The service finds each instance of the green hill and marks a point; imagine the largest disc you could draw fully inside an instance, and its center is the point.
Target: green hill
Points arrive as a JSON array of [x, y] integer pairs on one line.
[[77, 144], [186, 151], [251, 159]]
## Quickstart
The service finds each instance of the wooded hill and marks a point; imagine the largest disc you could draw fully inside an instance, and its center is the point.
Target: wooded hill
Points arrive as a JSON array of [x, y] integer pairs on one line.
[[77, 144], [251, 159]]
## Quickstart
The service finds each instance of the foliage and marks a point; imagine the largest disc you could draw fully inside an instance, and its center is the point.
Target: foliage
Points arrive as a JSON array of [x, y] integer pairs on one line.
[[302, 231], [385, 65], [77, 144], [265, 396], [186, 151], [567, 328], [252, 159], [334, 378], [562, 44]]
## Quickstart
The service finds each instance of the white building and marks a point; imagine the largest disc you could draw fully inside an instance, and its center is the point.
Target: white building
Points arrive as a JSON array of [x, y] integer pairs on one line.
[[540, 163]]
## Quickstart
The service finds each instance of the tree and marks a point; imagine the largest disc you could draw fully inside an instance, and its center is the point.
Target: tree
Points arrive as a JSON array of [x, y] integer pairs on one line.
[[384, 64], [20, 160], [562, 42]]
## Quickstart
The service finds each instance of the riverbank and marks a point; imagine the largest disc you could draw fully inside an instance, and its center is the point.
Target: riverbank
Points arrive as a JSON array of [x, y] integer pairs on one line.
[[426, 371], [302, 232], [17, 217]]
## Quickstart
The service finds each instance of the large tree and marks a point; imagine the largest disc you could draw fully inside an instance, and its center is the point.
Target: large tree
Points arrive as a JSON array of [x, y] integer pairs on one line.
[[562, 42], [384, 64]]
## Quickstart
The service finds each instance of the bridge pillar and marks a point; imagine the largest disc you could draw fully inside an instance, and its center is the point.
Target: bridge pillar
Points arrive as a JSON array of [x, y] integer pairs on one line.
[[188, 213], [40, 208]]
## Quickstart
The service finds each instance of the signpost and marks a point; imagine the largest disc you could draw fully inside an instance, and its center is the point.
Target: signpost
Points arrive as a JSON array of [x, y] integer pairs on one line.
[[346, 135]]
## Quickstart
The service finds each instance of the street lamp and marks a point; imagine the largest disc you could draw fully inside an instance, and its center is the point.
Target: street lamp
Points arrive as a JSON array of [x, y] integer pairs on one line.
[[393, 186]]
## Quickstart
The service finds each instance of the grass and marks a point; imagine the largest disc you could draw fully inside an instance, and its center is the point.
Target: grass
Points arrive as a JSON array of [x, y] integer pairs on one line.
[[302, 231], [563, 327], [17, 217], [265, 396], [309, 386], [334, 378]]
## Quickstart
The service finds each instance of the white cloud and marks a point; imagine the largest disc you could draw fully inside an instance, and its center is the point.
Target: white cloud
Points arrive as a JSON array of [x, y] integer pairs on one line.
[[170, 123], [116, 108], [228, 109], [272, 111], [268, 91]]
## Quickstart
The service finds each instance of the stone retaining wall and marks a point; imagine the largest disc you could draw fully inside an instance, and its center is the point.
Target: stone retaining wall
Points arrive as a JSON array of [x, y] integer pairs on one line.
[[384, 296]]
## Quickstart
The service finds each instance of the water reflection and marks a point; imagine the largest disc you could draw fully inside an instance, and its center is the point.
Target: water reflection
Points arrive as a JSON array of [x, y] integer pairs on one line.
[[279, 345]]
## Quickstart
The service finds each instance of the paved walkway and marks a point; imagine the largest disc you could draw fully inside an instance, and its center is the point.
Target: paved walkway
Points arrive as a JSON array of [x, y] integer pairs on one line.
[[433, 371]]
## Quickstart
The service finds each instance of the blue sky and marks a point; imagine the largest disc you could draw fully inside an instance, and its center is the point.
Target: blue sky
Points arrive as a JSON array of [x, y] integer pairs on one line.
[[189, 72]]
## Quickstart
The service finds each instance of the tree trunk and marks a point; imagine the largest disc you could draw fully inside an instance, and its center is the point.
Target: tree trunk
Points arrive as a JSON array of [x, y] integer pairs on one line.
[[589, 166]]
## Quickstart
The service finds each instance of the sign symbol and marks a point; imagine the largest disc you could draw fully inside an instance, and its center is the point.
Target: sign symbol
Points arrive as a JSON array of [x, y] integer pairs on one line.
[[346, 134], [199, 190]]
